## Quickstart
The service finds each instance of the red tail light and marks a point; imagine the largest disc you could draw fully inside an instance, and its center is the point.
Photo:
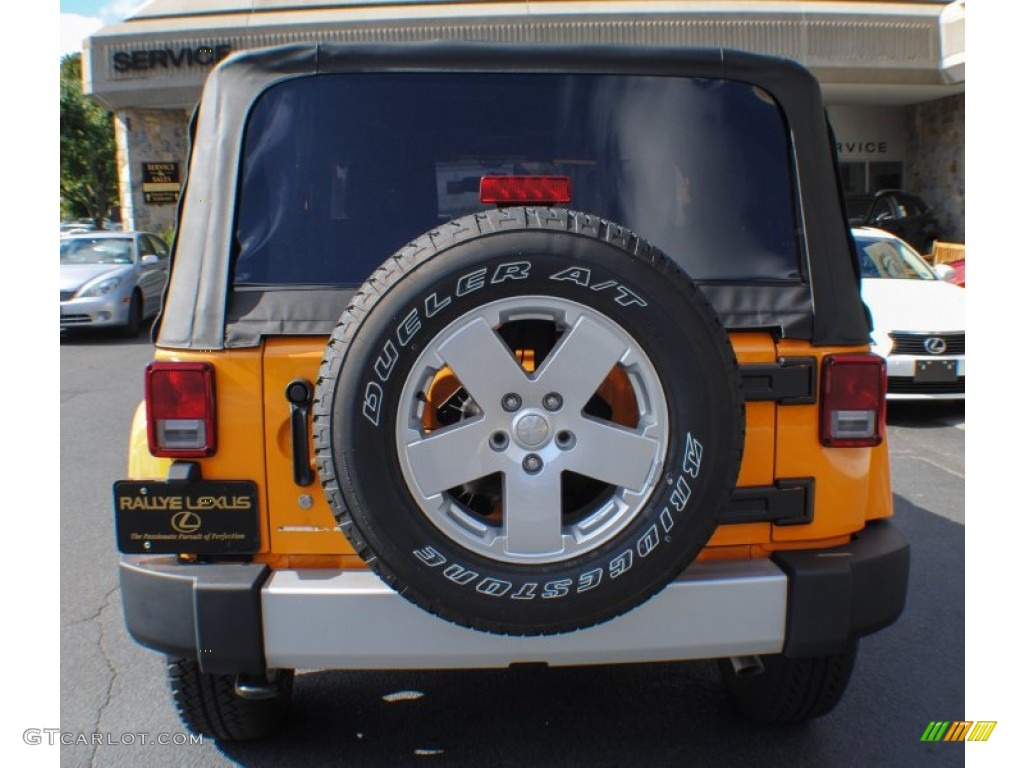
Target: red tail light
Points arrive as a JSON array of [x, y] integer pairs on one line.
[[179, 409], [522, 190], [852, 400]]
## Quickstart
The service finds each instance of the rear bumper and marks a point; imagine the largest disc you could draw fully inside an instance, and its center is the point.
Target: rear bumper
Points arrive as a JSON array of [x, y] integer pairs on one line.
[[310, 621], [244, 618]]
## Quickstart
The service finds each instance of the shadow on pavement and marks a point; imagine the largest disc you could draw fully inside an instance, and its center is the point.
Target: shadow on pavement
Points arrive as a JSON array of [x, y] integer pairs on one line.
[[649, 715], [928, 414], [104, 336]]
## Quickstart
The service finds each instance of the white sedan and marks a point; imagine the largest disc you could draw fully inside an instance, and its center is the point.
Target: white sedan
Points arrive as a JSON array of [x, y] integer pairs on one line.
[[918, 318]]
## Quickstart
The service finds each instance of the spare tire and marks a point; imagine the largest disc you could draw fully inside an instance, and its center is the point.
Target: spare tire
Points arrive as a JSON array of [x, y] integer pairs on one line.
[[527, 421]]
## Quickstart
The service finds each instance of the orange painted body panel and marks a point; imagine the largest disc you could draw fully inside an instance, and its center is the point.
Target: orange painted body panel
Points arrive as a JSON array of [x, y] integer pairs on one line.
[[294, 527], [851, 484], [238, 390], [758, 465], [299, 530], [880, 502], [142, 465]]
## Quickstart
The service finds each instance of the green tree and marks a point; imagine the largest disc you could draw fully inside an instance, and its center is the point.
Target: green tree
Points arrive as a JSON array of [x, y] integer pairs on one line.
[[88, 158]]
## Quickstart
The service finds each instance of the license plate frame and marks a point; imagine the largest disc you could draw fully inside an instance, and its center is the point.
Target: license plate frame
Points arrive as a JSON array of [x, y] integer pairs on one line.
[[195, 517]]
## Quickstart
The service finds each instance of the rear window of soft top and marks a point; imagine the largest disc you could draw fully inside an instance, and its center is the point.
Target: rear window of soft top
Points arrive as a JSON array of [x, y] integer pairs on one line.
[[340, 171]]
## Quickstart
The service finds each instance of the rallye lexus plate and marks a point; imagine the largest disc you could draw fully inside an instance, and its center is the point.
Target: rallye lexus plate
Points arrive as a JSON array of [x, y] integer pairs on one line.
[[201, 517]]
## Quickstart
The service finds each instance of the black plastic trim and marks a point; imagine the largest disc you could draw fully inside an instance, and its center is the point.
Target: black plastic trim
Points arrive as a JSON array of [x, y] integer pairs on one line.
[[299, 394], [790, 381], [839, 594], [184, 472], [788, 502], [905, 385], [207, 612]]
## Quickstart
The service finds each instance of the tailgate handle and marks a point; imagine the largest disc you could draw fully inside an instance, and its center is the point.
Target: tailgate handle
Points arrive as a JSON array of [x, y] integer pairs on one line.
[[299, 394]]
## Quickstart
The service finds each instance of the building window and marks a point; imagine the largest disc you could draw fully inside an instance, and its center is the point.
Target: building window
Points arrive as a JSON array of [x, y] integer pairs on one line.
[[884, 175], [860, 177]]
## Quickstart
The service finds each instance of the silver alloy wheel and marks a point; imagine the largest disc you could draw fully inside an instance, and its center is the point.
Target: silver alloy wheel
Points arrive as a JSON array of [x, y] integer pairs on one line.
[[532, 445]]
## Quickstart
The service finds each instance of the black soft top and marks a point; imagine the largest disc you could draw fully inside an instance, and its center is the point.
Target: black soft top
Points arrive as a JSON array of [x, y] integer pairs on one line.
[[202, 312]]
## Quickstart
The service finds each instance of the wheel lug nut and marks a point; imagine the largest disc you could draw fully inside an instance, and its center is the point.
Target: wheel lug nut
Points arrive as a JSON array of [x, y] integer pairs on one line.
[[552, 401], [498, 441], [565, 439], [511, 402], [532, 464]]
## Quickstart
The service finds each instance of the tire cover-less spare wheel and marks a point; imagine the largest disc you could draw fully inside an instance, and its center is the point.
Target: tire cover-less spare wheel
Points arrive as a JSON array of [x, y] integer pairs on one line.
[[527, 420]]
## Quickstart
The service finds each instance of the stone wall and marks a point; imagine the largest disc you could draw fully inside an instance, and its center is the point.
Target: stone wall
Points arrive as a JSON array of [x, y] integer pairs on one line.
[[935, 160], [148, 136]]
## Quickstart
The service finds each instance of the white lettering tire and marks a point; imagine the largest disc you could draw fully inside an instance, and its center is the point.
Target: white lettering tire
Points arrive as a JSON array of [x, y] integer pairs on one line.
[[527, 421]]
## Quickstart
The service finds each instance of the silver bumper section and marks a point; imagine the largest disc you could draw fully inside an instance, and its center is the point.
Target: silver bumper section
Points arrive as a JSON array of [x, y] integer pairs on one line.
[[317, 619]]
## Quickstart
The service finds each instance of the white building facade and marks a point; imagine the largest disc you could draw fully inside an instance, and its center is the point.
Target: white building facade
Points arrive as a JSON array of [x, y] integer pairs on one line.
[[892, 72]]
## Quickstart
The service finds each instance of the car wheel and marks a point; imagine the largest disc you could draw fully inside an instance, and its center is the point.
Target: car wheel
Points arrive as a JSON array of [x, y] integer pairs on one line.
[[527, 421], [209, 704], [789, 691], [135, 311]]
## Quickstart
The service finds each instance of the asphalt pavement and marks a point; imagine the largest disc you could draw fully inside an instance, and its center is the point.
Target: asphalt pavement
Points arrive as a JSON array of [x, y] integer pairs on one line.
[[115, 705]]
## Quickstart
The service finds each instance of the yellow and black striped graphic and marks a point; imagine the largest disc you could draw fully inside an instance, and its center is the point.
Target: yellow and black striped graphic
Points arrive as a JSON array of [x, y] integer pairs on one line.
[[958, 730]]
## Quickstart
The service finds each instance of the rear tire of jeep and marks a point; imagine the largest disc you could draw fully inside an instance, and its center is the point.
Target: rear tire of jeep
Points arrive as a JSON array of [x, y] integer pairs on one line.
[[527, 421], [209, 705], [789, 691]]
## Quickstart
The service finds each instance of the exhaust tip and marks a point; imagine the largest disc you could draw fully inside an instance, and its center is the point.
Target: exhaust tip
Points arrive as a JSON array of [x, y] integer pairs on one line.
[[746, 666], [257, 688]]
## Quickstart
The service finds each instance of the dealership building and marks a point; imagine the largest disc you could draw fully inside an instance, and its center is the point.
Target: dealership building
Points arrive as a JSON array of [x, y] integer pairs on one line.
[[892, 72]]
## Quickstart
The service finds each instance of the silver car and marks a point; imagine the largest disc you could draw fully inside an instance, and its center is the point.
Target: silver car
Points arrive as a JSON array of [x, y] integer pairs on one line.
[[111, 279]]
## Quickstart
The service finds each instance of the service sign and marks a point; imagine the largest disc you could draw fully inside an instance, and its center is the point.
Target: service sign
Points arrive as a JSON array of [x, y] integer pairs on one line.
[[161, 183], [204, 517]]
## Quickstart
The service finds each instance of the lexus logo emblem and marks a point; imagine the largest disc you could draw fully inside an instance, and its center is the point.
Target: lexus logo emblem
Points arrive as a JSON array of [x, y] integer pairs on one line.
[[935, 345], [186, 522]]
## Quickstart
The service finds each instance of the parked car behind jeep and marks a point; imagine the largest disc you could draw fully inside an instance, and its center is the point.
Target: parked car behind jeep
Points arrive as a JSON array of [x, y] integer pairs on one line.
[[905, 215], [475, 355], [111, 280], [918, 319]]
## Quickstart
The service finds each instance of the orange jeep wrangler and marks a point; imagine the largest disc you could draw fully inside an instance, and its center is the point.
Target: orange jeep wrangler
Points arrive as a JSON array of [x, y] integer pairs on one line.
[[475, 355]]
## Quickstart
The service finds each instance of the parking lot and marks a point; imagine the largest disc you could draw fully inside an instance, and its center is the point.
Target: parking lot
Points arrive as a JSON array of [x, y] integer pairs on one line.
[[642, 715]]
